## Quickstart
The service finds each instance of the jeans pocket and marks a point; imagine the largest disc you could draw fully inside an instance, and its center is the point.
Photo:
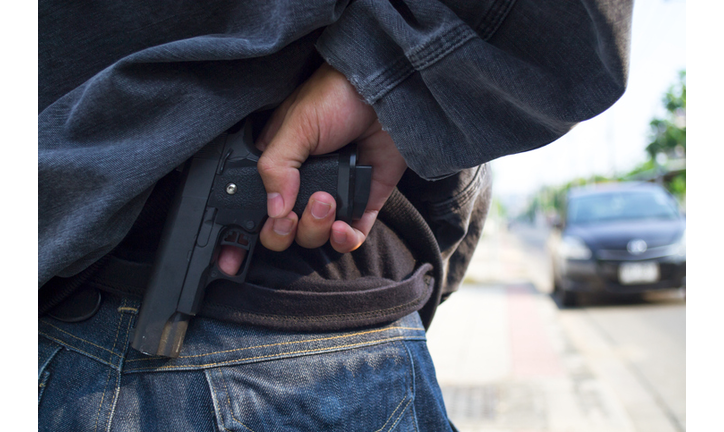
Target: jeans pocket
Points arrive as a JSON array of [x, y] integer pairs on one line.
[[363, 389], [46, 352]]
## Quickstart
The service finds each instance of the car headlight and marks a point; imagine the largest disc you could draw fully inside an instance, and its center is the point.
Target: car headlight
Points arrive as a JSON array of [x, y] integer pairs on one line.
[[574, 248]]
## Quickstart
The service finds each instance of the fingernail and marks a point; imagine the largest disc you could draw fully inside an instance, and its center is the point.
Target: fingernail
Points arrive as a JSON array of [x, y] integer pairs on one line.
[[320, 210], [339, 236], [283, 226], [274, 204]]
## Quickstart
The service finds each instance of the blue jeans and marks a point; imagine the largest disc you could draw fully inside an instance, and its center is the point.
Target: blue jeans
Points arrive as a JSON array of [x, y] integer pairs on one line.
[[235, 378]]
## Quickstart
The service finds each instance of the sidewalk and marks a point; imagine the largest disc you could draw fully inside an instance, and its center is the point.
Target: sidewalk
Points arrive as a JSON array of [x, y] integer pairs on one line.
[[509, 361]]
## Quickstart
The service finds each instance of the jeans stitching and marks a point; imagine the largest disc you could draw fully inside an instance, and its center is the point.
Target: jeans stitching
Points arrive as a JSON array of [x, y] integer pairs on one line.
[[76, 337], [285, 343], [73, 347], [118, 330], [43, 384], [48, 360], [393, 413], [401, 413], [228, 402], [413, 384], [215, 400], [100, 405], [317, 350], [118, 376], [108, 380]]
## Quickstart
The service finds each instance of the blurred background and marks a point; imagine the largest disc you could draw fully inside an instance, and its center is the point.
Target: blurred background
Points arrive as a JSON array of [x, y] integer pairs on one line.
[[572, 316]]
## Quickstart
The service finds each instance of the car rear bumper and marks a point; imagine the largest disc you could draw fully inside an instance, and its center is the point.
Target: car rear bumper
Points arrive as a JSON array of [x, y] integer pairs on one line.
[[602, 276]]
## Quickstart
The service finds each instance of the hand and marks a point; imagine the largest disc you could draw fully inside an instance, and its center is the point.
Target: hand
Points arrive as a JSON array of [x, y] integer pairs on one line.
[[321, 116]]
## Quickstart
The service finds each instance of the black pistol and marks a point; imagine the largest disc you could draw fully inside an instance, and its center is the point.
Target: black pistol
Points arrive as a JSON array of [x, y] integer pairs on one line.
[[222, 201]]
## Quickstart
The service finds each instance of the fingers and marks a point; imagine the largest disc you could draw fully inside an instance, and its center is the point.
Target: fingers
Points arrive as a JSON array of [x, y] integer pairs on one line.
[[278, 234], [321, 116], [345, 239], [316, 223], [378, 150], [230, 259]]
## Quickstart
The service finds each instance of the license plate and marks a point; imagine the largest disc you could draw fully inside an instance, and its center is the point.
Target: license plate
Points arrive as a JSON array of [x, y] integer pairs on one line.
[[635, 273]]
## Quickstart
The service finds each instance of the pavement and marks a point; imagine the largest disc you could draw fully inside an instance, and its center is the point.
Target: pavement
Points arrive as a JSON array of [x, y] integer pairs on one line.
[[508, 360]]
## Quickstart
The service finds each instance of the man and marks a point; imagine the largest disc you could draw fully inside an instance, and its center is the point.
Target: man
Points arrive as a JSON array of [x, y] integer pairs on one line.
[[327, 333]]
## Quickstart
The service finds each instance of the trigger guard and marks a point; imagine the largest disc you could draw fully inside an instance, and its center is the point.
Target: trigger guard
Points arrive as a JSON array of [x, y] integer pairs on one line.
[[240, 238]]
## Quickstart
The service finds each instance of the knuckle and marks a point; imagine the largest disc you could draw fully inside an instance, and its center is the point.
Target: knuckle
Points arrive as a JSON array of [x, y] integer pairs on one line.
[[266, 165]]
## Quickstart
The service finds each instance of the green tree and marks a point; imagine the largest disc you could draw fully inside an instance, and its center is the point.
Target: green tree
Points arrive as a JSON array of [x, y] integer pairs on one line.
[[668, 135]]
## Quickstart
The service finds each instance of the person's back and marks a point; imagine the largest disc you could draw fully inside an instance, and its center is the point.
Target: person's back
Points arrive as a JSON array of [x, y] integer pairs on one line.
[[328, 331]]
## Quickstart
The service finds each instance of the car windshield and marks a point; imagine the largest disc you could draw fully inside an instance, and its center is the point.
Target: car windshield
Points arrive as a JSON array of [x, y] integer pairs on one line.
[[621, 205]]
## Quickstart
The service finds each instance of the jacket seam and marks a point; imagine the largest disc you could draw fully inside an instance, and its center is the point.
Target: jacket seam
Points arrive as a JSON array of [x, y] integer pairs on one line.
[[468, 193], [494, 18], [416, 59], [389, 78], [429, 53]]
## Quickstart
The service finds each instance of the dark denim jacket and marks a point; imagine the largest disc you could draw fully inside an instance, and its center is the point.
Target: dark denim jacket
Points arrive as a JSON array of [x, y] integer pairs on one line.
[[129, 90]]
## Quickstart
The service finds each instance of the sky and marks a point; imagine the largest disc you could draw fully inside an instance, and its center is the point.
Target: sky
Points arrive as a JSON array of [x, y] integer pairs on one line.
[[615, 140]]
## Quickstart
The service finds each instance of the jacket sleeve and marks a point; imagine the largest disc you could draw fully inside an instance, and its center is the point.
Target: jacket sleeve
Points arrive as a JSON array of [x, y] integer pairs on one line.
[[457, 84]]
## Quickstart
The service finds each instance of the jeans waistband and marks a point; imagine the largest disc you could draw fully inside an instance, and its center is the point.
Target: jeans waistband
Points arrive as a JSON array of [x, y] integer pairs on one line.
[[106, 336]]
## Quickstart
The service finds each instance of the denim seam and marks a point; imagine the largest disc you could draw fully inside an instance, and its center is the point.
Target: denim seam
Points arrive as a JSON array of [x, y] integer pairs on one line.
[[118, 331], [414, 384], [120, 368], [215, 401], [100, 405], [389, 78], [48, 360], [393, 413], [228, 402], [76, 337], [401, 413], [269, 356], [494, 19], [108, 380], [428, 54], [43, 384], [287, 343], [74, 348]]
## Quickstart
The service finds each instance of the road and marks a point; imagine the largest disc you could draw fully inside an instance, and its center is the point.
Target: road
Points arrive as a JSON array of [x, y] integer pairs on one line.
[[510, 360]]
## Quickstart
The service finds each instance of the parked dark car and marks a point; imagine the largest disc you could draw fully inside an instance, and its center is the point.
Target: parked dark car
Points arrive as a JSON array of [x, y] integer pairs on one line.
[[618, 238]]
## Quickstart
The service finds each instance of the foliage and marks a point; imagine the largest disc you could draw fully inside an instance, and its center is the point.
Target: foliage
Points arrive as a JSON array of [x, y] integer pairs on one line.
[[668, 135]]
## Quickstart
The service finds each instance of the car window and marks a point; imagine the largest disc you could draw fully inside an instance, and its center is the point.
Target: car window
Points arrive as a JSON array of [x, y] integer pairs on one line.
[[621, 205]]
